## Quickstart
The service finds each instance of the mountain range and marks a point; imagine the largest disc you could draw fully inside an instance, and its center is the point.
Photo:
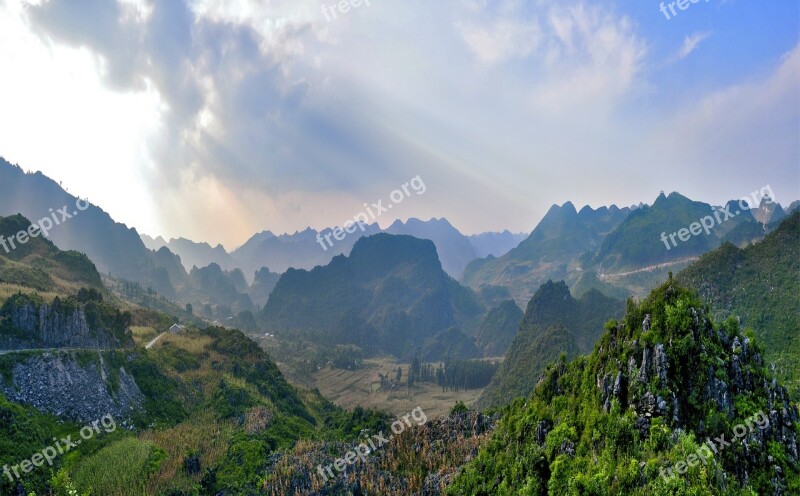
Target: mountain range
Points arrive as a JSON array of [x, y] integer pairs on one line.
[[302, 250], [620, 251]]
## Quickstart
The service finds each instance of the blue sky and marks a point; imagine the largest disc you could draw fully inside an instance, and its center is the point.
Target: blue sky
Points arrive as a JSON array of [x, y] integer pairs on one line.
[[216, 119]]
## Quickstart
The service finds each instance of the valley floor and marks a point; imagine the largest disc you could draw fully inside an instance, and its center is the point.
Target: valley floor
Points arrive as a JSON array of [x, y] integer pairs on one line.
[[350, 389]]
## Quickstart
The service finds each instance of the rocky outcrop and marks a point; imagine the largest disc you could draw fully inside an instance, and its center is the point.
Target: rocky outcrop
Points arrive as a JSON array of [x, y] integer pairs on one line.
[[652, 386], [440, 446], [81, 386], [31, 324]]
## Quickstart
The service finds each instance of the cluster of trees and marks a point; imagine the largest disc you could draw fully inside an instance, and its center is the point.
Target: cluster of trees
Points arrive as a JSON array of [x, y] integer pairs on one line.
[[452, 374], [133, 289]]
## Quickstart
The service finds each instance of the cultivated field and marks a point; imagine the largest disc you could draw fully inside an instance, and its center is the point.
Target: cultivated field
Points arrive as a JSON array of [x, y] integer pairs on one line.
[[349, 389]]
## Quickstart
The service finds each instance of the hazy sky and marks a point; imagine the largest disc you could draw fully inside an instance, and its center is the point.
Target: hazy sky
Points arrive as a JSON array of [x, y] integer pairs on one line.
[[214, 119]]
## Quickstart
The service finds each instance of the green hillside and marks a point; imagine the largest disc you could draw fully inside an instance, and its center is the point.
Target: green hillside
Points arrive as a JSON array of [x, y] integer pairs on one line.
[[631, 417], [637, 241], [498, 329], [554, 250], [39, 264], [555, 323], [760, 285]]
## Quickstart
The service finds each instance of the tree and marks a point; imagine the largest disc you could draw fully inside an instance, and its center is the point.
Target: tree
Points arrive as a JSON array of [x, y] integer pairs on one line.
[[399, 374], [189, 309]]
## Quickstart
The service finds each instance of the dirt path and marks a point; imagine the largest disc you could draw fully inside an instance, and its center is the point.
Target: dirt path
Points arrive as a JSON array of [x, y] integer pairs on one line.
[[649, 268], [154, 341]]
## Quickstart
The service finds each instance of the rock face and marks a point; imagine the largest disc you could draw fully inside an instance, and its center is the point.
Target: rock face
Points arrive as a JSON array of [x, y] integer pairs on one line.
[[441, 446], [654, 385], [26, 323], [78, 386]]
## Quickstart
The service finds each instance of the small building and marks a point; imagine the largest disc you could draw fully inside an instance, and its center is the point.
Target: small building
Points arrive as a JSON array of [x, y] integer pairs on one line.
[[175, 329]]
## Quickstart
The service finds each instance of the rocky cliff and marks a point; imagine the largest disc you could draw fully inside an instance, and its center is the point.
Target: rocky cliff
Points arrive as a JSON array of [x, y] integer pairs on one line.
[[82, 386], [27, 322]]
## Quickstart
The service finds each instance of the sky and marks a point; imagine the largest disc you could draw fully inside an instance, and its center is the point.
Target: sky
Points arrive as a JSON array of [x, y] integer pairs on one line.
[[216, 119]]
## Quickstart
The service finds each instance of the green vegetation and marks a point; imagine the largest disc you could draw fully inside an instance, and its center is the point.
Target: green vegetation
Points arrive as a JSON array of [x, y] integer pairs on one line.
[[637, 241], [578, 435], [556, 250], [452, 375], [760, 286], [554, 324], [40, 265], [498, 329]]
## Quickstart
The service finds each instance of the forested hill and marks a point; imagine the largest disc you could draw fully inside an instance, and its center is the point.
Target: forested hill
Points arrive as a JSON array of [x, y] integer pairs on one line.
[[760, 285], [555, 323], [631, 417]]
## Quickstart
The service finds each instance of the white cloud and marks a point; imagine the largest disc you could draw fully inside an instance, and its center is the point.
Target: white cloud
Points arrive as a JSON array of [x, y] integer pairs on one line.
[[690, 44], [593, 59], [503, 40]]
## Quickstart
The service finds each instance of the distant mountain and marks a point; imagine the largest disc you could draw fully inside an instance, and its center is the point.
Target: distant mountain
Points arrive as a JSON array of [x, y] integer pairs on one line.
[[215, 286], [495, 244], [389, 296], [554, 323], [80, 226], [304, 249], [263, 284], [37, 263], [637, 242], [554, 250], [192, 254], [455, 250], [793, 207], [768, 211], [450, 344], [759, 285], [151, 243], [498, 329], [301, 250]]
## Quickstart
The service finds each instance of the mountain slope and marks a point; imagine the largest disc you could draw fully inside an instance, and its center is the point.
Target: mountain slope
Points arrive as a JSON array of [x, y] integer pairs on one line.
[[39, 264], [498, 329], [554, 323], [760, 285], [454, 249], [632, 417], [495, 244], [553, 250], [388, 296], [83, 227], [637, 241]]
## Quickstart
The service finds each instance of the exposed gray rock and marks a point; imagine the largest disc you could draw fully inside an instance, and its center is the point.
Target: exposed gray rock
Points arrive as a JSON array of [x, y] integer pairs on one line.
[[56, 383], [60, 325]]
